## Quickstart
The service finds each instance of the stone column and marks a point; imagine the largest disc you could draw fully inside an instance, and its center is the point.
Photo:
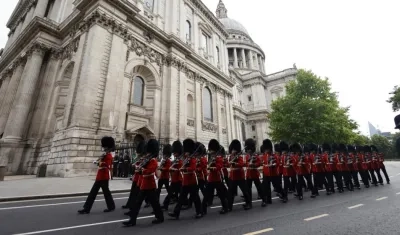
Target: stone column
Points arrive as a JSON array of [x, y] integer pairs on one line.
[[18, 119], [40, 9], [218, 115], [10, 95], [251, 60], [260, 63], [174, 16], [244, 59], [28, 18], [235, 59], [182, 124], [228, 118], [3, 89], [198, 106]]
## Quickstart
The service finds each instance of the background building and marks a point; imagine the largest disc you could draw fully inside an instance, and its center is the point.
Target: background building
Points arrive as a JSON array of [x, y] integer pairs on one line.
[[73, 71]]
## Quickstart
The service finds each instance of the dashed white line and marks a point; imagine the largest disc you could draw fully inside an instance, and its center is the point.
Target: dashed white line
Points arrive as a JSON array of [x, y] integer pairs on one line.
[[381, 198], [260, 231], [398, 193], [316, 217], [352, 207]]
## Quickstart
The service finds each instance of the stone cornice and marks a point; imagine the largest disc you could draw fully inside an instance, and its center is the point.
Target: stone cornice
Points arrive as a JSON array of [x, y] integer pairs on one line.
[[19, 12], [281, 74]]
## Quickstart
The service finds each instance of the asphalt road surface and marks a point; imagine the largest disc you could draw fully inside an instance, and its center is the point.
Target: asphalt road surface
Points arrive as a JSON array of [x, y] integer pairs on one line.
[[366, 211]]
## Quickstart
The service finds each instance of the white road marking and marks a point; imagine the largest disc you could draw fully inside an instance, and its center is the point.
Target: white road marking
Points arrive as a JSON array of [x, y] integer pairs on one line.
[[398, 193], [398, 174], [58, 204], [381, 198], [316, 217], [81, 226], [241, 203], [391, 176], [260, 231], [352, 207]]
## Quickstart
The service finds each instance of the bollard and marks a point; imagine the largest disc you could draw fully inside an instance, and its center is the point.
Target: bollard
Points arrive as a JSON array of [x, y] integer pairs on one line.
[[2, 172]]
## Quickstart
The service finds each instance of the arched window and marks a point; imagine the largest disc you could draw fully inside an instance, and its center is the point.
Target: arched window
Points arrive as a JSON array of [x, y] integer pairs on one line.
[[190, 108], [217, 55], [207, 105], [188, 31], [138, 87], [243, 132]]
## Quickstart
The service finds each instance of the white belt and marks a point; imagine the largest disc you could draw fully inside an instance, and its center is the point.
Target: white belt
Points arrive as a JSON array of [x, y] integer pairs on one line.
[[252, 168], [236, 169], [187, 173], [148, 175]]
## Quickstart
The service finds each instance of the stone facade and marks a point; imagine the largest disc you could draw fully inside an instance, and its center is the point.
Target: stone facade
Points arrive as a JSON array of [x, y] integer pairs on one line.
[[73, 71]]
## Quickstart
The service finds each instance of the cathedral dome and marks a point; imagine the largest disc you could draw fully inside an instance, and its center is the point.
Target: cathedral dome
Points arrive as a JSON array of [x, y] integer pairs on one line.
[[233, 26]]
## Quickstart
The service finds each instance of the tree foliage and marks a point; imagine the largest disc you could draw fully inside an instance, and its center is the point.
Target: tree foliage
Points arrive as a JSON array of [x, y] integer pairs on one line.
[[359, 139], [310, 112], [395, 99], [383, 144]]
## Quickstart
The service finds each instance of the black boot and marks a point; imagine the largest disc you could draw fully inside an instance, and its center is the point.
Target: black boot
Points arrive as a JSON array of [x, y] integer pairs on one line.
[[83, 211], [129, 223]]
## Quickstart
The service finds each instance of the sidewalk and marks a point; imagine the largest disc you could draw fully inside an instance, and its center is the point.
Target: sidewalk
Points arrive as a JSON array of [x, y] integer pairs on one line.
[[29, 187]]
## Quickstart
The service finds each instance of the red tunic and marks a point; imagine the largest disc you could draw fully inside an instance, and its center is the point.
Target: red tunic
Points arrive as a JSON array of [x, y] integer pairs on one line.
[[368, 161], [344, 159], [375, 161], [381, 159], [327, 162], [361, 165], [252, 168], [165, 169], [148, 181], [337, 165], [104, 173], [176, 175], [304, 167], [271, 165], [317, 163], [289, 163], [189, 173], [215, 170], [355, 164], [201, 167], [225, 167], [136, 176], [237, 171]]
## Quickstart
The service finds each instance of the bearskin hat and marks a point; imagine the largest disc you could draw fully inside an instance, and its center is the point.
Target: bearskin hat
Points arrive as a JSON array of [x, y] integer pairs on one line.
[[306, 148], [141, 147], [351, 148], [153, 147], [342, 148], [177, 147], [235, 145], [326, 147], [167, 150], [108, 142], [397, 122], [284, 146], [335, 147], [222, 150], [374, 148], [262, 149], [398, 145], [213, 145], [312, 147], [295, 148], [367, 149], [359, 148], [189, 146], [250, 145], [200, 148], [267, 143], [277, 148]]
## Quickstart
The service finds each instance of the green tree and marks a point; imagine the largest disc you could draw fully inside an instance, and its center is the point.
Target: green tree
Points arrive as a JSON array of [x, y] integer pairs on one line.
[[310, 112], [393, 139], [359, 139], [395, 99], [383, 144]]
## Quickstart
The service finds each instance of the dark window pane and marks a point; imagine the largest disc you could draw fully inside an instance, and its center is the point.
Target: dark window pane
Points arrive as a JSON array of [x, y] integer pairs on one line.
[[138, 86], [207, 105]]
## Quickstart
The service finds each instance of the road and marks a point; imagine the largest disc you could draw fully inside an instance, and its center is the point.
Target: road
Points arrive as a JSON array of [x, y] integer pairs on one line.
[[366, 211]]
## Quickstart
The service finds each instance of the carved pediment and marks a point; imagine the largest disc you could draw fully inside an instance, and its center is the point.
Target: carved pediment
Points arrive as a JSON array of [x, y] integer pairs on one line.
[[206, 28]]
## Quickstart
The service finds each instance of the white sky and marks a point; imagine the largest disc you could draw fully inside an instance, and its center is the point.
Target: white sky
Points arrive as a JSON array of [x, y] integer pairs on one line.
[[356, 44]]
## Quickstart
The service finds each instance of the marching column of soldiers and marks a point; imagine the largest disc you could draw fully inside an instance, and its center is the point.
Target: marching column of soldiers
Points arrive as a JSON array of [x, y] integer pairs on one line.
[[283, 169]]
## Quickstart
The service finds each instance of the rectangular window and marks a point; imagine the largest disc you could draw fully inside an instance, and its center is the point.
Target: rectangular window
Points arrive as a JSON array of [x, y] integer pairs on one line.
[[253, 128], [249, 97], [204, 42]]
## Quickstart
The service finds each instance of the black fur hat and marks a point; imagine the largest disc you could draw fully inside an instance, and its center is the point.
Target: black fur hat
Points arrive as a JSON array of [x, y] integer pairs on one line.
[[351, 148], [177, 147], [326, 147], [343, 148], [397, 122], [398, 145], [222, 150], [262, 149], [213, 145], [277, 148], [367, 149], [295, 148], [189, 146], [374, 148], [235, 145], [153, 147], [200, 148], [284, 146], [267, 144], [312, 147], [141, 147], [335, 147], [108, 143], [167, 150], [250, 145], [306, 148], [359, 148]]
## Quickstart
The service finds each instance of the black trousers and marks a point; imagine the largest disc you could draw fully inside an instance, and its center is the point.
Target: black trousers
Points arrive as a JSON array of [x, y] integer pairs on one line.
[[329, 180], [259, 188], [347, 180], [103, 184], [202, 187], [132, 195], [385, 173], [301, 181], [233, 185], [221, 191], [354, 175], [276, 183], [193, 191], [161, 183], [378, 173], [364, 177], [151, 196], [319, 180], [338, 178], [173, 193], [372, 173], [288, 182]]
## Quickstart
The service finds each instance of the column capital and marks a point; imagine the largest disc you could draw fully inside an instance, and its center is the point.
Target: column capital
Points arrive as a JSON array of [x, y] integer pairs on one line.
[[38, 48]]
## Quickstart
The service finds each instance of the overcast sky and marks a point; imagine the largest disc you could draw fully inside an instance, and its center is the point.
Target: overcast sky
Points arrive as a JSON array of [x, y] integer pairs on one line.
[[356, 44]]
